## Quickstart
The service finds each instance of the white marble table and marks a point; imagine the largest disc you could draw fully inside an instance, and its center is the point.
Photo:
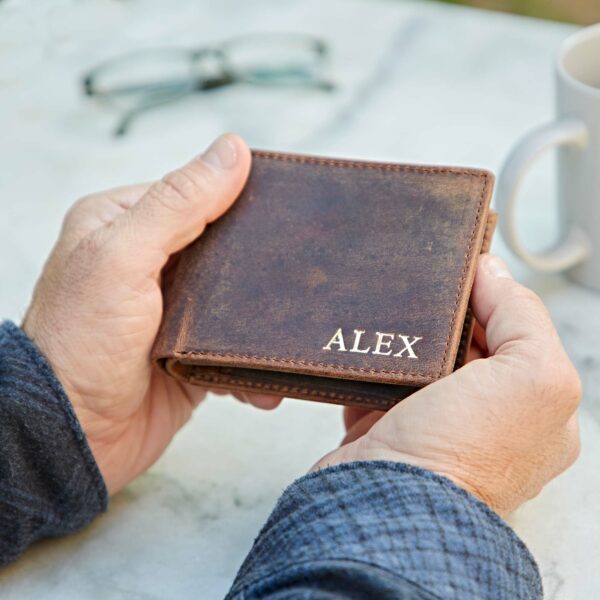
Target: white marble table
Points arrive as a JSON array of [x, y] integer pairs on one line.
[[418, 82]]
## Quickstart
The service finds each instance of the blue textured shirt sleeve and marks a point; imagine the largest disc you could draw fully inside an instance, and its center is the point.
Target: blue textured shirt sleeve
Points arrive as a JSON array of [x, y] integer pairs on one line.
[[50, 484], [360, 530], [385, 530]]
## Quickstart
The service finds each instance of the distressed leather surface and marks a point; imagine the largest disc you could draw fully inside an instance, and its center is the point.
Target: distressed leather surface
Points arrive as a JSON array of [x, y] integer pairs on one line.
[[270, 296]]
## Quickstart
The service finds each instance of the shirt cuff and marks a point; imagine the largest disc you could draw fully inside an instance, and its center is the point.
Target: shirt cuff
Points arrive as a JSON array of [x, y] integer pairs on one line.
[[50, 483], [410, 522]]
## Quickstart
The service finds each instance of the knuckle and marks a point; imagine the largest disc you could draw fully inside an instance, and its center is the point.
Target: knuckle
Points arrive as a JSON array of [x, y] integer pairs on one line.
[[536, 311], [84, 202], [80, 206], [574, 449], [561, 374], [180, 187], [94, 250], [525, 295], [572, 387], [89, 245]]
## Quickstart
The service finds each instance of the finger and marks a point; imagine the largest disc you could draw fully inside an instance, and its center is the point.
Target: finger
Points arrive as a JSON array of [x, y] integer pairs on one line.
[[479, 337], [362, 426], [241, 396], [175, 210], [193, 393], [474, 352], [352, 414], [97, 210], [508, 311], [478, 347], [264, 401], [220, 391]]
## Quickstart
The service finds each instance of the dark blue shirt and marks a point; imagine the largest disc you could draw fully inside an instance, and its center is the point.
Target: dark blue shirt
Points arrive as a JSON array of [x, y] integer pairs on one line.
[[359, 530]]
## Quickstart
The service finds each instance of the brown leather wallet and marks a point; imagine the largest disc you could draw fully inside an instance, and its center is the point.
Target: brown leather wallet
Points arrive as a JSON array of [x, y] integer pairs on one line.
[[333, 280]]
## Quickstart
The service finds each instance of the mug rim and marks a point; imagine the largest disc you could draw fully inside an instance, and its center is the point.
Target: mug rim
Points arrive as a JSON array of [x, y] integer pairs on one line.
[[567, 45]]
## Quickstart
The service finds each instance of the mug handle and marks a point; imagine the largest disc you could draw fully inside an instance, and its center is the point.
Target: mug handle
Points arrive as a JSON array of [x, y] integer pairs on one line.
[[575, 246]]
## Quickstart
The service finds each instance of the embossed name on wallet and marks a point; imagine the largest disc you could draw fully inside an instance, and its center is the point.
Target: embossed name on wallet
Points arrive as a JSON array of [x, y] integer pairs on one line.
[[332, 280]]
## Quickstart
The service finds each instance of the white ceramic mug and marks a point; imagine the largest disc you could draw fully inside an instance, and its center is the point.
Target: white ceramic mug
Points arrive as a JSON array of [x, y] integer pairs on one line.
[[577, 132]]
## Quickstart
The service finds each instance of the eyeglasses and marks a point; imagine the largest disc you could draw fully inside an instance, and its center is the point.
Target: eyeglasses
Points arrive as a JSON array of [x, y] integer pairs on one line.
[[140, 81]]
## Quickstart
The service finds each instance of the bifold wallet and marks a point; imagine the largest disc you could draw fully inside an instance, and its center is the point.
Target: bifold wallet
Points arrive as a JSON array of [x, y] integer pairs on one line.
[[332, 280]]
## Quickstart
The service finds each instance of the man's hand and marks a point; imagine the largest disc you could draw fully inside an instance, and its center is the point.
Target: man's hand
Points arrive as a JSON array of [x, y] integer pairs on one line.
[[503, 425], [98, 304]]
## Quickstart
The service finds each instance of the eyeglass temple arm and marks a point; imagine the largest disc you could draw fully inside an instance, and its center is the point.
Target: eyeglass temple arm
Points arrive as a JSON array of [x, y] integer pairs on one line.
[[195, 85]]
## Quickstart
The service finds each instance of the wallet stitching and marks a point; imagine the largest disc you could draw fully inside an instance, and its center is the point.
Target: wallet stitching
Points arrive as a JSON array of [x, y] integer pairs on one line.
[[414, 376], [363, 164], [277, 387], [469, 317], [463, 277], [307, 363]]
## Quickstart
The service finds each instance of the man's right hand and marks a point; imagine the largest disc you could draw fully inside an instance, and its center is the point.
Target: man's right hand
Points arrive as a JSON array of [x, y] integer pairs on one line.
[[502, 426], [98, 305]]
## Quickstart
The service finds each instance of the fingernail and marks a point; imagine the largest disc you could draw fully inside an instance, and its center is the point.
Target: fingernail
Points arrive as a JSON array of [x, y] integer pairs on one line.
[[497, 267], [221, 154]]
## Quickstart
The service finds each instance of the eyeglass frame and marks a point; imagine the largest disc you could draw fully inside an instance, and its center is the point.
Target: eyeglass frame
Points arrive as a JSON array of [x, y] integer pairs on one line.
[[227, 76]]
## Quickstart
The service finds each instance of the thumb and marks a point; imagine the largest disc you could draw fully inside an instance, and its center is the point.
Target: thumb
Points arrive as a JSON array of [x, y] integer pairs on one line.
[[508, 311], [175, 210]]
